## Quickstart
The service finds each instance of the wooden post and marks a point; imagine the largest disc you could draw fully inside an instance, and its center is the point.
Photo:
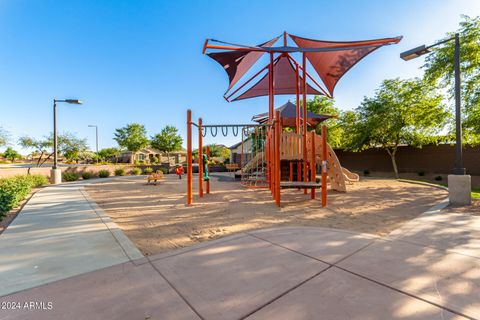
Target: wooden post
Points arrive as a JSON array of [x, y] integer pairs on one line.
[[313, 167], [189, 157], [324, 166], [207, 151], [278, 132], [200, 158]]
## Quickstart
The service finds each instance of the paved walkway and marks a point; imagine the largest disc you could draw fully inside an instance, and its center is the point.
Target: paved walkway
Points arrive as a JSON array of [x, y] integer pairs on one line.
[[59, 234], [428, 269]]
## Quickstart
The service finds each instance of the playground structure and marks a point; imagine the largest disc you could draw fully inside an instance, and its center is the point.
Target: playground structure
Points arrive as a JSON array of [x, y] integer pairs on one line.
[[301, 150]]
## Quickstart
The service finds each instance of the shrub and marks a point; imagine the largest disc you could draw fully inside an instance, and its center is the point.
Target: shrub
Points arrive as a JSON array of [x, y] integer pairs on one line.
[[421, 173], [136, 171], [438, 178], [36, 180], [120, 172], [15, 189], [366, 172], [71, 176], [154, 160], [147, 170], [88, 175], [163, 170], [104, 173], [140, 162]]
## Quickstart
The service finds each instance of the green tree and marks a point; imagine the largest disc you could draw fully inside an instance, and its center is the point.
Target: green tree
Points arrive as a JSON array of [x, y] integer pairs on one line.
[[40, 148], [324, 105], [401, 112], [107, 154], [132, 137], [11, 154], [68, 145], [71, 147], [216, 150], [439, 70], [168, 140], [4, 137]]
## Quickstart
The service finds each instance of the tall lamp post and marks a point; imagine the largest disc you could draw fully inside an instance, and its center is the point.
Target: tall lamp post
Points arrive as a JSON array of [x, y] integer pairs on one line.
[[459, 184], [56, 173], [96, 137]]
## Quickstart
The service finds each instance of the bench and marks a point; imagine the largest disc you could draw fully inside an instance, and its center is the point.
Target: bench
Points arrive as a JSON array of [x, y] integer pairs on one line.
[[231, 167], [155, 177]]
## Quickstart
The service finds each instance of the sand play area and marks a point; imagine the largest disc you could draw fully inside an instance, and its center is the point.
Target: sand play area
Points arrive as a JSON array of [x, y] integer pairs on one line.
[[156, 218]]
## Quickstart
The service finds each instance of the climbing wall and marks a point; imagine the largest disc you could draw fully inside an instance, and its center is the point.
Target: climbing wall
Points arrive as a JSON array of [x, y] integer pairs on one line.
[[291, 147], [334, 169]]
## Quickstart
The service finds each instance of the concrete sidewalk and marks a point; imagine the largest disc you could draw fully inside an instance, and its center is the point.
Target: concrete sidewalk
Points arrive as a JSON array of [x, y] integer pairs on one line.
[[59, 233], [428, 269], [286, 273]]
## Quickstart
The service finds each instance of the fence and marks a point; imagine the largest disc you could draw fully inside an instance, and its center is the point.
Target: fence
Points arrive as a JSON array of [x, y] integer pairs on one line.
[[429, 159]]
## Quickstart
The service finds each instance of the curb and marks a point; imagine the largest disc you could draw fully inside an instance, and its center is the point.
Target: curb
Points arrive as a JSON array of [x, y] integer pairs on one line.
[[422, 183], [130, 250]]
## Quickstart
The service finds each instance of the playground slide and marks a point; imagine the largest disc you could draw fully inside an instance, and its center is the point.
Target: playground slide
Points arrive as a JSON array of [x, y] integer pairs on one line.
[[350, 176]]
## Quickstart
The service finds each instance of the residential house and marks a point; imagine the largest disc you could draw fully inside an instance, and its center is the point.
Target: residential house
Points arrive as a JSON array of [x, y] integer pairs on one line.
[[236, 152], [147, 155]]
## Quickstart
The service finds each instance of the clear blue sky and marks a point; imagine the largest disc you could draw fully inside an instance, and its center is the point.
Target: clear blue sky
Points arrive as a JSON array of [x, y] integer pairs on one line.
[[141, 61]]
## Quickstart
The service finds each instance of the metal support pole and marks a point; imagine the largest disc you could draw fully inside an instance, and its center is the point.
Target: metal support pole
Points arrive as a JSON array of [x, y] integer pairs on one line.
[[189, 157], [207, 151], [324, 166], [96, 139], [270, 160], [278, 169], [459, 169], [55, 138], [297, 116], [200, 159], [313, 167], [304, 91]]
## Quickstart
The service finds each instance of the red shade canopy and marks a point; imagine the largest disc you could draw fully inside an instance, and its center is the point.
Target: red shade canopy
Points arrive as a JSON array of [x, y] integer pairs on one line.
[[332, 65], [237, 63], [284, 77], [330, 59]]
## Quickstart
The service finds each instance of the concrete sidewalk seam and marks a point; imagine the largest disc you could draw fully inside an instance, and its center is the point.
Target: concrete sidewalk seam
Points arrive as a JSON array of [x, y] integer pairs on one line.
[[176, 290], [311, 257], [407, 294], [366, 278], [284, 293], [197, 246], [130, 250]]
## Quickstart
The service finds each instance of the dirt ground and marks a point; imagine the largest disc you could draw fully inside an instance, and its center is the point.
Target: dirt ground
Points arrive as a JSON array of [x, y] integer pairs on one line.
[[473, 209], [156, 218]]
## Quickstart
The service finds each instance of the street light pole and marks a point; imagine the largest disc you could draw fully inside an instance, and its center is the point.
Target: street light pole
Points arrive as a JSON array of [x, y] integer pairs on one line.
[[96, 137], [459, 169], [421, 50], [56, 174], [459, 183], [55, 139]]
